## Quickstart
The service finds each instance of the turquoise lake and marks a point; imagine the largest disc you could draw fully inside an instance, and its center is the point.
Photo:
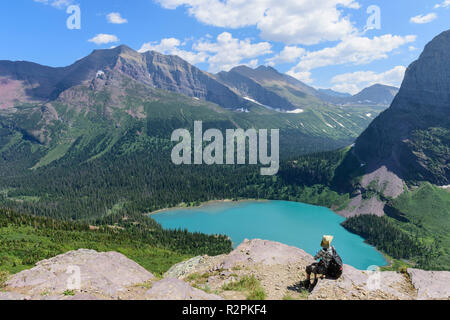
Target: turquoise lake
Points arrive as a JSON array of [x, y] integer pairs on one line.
[[292, 223]]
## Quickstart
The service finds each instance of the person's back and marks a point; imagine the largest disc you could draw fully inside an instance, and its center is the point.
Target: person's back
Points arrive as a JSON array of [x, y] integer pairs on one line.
[[325, 256]]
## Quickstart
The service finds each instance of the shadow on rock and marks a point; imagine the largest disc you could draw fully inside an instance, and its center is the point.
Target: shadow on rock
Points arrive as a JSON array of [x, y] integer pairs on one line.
[[303, 286]]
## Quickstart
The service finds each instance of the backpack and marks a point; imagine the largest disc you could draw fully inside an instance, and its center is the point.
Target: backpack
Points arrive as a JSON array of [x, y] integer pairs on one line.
[[335, 267]]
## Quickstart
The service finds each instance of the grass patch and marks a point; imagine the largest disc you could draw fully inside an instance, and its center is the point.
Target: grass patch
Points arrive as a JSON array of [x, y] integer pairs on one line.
[[4, 275], [396, 265], [199, 281], [249, 285], [69, 293]]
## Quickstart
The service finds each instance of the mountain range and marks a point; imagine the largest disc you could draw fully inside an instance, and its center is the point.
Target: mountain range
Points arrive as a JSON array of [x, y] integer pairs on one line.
[[104, 94], [30, 82]]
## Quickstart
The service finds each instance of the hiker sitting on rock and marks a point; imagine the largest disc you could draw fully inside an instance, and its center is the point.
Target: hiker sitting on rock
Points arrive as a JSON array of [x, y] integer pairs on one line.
[[330, 264]]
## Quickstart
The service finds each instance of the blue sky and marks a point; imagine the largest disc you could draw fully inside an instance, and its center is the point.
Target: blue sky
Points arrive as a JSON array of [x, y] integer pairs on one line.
[[324, 43]]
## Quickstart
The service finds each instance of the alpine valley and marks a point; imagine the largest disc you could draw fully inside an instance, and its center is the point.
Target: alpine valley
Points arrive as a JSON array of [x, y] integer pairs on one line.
[[87, 147]]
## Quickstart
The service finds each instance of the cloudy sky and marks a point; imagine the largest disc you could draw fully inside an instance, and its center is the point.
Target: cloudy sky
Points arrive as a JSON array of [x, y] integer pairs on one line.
[[341, 44]]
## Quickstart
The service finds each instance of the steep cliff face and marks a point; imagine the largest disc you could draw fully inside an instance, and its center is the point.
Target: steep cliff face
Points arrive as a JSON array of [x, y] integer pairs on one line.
[[174, 74], [412, 137]]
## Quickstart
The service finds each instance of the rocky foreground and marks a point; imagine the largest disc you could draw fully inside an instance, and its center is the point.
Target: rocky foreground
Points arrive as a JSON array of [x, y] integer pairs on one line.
[[255, 269]]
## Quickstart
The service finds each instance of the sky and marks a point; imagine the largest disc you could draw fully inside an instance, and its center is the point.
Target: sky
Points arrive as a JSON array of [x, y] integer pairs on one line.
[[345, 45]]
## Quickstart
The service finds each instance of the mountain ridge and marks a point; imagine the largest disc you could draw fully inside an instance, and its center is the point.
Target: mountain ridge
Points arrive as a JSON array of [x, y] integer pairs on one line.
[[38, 83]]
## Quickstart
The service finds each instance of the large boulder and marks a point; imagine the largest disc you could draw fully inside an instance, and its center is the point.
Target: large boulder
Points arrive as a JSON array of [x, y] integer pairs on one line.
[[356, 284], [266, 253], [430, 284], [175, 289], [106, 274]]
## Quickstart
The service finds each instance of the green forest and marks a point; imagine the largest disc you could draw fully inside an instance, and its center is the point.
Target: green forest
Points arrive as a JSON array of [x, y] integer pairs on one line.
[[27, 239], [134, 176]]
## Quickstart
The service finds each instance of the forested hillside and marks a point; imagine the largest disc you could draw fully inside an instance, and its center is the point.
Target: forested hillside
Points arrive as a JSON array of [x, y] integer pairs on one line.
[[26, 239]]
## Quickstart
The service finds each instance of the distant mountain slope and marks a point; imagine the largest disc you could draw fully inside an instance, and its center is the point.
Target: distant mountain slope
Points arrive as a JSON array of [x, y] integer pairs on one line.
[[251, 89], [377, 94], [333, 93], [271, 88]]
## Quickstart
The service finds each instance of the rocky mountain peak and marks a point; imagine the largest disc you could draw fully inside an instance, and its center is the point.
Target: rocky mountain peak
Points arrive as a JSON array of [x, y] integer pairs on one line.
[[427, 80], [411, 137]]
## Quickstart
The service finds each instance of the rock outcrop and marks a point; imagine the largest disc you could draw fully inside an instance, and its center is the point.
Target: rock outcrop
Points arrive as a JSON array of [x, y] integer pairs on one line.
[[175, 289], [430, 284], [90, 275], [281, 271], [108, 274], [276, 270]]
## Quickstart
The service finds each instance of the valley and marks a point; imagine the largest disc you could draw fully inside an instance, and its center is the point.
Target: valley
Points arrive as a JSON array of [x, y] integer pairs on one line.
[[87, 147]]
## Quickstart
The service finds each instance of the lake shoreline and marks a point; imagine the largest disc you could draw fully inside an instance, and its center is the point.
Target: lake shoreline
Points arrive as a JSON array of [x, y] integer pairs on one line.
[[249, 220], [389, 261], [205, 203]]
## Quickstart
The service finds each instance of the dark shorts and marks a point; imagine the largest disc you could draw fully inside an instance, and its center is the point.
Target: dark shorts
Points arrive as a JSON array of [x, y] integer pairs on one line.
[[317, 268]]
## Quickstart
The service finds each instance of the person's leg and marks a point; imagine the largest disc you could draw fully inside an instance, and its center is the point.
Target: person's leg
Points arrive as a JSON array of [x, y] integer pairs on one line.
[[308, 272], [322, 269], [311, 269]]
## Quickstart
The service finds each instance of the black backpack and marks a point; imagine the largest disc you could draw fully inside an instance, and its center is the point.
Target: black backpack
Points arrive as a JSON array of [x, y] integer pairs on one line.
[[335, 267]]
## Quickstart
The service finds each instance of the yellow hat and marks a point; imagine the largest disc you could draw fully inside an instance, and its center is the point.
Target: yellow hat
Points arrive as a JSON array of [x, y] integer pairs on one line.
[[326, 241]]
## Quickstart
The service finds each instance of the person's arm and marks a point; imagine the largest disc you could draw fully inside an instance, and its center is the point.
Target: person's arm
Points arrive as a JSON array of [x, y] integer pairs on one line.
[[318, 255]]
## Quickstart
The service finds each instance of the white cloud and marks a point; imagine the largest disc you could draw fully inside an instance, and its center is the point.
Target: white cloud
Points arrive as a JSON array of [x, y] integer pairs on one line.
[[444, 4], [228, 52], [288, 55], [356, 81], [421, 19], [289, 21], [222, 54], [60, 4], [304, 76], [116, 18], [171, 46], [352, 50], [102, 38]]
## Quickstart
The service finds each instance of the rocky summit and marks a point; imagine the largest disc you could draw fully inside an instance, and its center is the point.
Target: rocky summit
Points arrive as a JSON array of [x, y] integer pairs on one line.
[[256, 269]]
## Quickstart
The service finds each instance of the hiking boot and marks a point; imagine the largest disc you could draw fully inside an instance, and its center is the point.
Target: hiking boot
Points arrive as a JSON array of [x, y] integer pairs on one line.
[[306, 284]]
